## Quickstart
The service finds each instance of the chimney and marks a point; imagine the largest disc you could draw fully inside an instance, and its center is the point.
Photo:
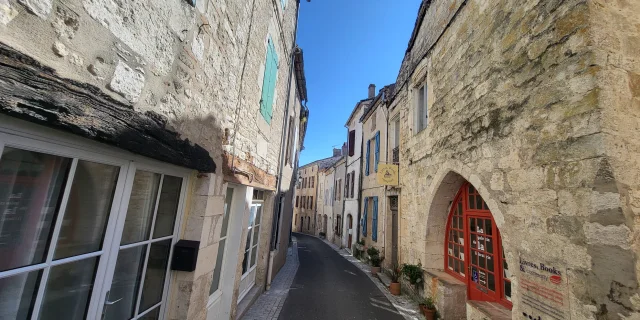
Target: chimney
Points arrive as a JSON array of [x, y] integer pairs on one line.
[[344, 149], [372, 90], [337, 152]]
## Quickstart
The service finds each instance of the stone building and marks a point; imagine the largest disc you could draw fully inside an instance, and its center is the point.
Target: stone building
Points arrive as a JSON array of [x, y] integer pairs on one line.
[[339, 172], [353, 168], [166, 120], [328, 175], [376, 225], [518, 162], [304, 212]]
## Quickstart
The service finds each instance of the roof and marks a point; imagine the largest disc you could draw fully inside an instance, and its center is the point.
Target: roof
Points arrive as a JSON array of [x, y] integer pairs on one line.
[[416, 27], [384, 93], [353, 112], [301, 80], [323, 163]]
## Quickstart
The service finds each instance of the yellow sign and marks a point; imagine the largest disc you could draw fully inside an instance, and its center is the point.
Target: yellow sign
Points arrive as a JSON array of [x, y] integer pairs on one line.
[[387, 174]]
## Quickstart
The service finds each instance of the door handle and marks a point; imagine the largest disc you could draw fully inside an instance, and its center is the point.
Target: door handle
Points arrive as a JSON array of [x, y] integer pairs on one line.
[[109, 303]]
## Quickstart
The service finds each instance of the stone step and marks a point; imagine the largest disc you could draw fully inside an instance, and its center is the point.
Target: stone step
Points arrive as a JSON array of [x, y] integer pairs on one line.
[[384, 278]]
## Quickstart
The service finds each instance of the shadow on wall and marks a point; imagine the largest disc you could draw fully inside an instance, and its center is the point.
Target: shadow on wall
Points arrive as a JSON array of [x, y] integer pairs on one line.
[[33, 92]]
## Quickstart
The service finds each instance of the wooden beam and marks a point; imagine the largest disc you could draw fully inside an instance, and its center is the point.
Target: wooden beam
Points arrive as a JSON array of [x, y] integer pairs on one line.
[[35, 93]]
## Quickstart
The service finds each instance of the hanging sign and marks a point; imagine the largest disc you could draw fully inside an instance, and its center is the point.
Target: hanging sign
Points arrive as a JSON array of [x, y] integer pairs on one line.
[[387, 174], [544, 291]]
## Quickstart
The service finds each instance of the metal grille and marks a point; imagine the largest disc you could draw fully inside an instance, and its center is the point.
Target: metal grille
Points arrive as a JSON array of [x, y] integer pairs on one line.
[[393, 203], [396, 155]]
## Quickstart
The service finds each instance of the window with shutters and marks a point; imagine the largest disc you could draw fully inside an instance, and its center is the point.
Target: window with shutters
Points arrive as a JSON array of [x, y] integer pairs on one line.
[[421, 107], [377, 151], [297, 198], [346, 186], [364, 216], [311, 203], [374, 218], [352, 143], [269, 82], [283, 3], [353, 174], [367, 160]]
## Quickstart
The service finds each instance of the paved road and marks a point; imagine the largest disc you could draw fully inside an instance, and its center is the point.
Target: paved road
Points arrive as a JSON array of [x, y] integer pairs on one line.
[[328, 287]]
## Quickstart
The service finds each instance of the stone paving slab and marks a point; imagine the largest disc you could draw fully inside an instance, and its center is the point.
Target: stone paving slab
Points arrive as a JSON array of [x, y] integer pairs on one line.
[[405, 306], [269, 304]]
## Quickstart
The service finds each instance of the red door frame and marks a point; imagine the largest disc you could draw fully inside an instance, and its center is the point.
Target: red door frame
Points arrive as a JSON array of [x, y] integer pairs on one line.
[[484, 213]]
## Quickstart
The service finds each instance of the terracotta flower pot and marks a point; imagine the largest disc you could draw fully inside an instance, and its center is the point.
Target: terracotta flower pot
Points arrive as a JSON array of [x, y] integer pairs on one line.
[[429, 314], [375, 270], [394, 288]]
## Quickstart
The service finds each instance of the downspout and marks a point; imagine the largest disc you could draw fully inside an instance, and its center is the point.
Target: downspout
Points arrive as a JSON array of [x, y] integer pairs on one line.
[[278, 204], [360, 182]]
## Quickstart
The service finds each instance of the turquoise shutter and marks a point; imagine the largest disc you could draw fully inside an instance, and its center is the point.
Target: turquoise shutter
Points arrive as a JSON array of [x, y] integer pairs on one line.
[[366, 170], [377, 150], [374, 224], [269, 82], [364, 217]]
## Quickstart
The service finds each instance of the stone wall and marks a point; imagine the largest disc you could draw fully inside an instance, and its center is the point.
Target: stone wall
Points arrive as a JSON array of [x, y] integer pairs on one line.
[[531, 102], [306, 172]]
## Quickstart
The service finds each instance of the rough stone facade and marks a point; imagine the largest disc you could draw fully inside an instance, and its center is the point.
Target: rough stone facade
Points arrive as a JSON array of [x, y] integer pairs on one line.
[[306, 196], [200, 69], [532, 102]]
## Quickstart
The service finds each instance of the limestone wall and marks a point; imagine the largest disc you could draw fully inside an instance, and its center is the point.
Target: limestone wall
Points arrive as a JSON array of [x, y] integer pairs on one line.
[[519, 106]]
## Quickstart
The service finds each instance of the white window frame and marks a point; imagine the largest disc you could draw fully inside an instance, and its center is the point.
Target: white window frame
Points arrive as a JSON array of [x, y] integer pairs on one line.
[[421, 111], [216, 294], [28, 136]]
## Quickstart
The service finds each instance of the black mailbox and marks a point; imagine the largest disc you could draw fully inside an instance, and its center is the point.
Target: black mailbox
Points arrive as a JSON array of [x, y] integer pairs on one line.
[[185, 255]]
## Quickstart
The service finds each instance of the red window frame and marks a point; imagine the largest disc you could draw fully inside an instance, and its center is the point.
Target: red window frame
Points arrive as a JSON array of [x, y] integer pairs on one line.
[[469, 201]]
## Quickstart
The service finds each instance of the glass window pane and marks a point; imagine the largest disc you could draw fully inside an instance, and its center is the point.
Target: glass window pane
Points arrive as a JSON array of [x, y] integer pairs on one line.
[[215, 284], [17, 295], [126, 283], [455, 222], [156, 271], [507, 290], [254, 251], [474, 257], [68, 290], [167, 206], [471, 189], [489, 247], [151, 315], [472, 202], [492, 282], [227, 212], [459, 208], [487, 225], [31, 187], [450, 264], [456, 267], [85, 218], [490, 262], [479, 202], [481, 260], [141, 206], [259, 213], [245, 262], [252, 216], [256, 235], [472, 225], [248, 243]]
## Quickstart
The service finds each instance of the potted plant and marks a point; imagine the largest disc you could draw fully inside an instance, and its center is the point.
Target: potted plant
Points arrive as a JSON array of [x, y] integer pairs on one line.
[[394, 287], [413, 273], [374, 258], [428, 308]]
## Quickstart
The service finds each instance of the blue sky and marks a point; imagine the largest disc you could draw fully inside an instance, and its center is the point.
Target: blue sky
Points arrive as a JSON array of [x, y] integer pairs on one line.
[[347, 45]]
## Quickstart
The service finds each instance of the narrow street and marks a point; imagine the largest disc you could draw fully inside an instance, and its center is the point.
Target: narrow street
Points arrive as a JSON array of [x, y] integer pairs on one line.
[[327, 286]]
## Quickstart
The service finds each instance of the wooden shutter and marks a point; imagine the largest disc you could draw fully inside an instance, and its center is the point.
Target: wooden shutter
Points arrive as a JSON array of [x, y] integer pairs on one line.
[[352, 142], [366, 170], [374, 223], [377, 151], [269, 82], [364, 217]]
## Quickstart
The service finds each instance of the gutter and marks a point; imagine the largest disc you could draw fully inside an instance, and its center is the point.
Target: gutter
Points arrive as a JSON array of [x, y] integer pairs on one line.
[[277, 204]]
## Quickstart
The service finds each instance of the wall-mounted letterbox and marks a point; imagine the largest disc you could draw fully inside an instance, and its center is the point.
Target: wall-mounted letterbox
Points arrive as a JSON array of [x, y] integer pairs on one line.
[[185, 255]]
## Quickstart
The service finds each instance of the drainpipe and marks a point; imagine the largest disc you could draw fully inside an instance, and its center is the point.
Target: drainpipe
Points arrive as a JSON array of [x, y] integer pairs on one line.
[[278, 203]]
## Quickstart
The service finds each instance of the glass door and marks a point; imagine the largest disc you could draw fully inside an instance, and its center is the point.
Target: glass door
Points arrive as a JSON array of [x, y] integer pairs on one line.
[[248, 278], [484, 260], [57, 218], [136, 288]]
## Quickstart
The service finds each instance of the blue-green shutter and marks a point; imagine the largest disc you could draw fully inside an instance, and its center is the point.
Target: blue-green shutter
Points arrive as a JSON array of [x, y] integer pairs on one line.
[[374, 223], [269, 82], [364, 217], [366, 170], [283, 3], [377, 155]]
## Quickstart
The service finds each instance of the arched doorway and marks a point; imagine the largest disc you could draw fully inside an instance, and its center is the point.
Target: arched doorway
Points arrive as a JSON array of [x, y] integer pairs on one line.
[[324, 224], [349, 230], [473, 249]]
